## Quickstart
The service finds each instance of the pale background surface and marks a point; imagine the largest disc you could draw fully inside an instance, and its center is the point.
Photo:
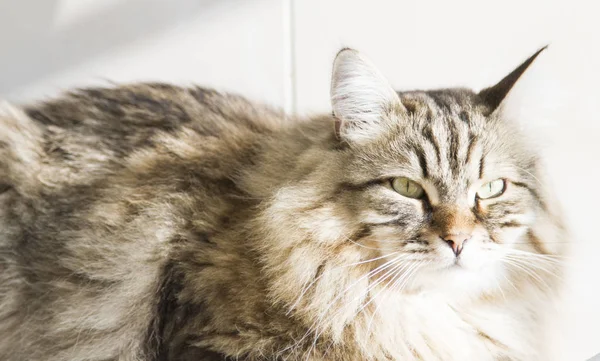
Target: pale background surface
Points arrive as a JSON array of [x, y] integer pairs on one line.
[[280, 52]]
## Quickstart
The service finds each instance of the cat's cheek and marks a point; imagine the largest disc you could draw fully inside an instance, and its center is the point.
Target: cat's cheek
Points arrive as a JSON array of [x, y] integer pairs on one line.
[[374, 217], [512, 229], [510, 235]]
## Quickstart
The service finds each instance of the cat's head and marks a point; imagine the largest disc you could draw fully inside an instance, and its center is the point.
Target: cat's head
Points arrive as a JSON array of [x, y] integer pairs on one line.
[[425, 191]]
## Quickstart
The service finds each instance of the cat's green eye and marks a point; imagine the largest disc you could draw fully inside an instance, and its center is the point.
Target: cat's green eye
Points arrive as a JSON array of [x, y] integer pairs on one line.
[[407, 187], [491, 189]]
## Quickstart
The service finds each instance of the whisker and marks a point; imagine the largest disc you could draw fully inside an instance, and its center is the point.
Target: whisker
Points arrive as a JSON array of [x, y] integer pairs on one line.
[[392, 263], [534, 258], [362, 245], [336, 268], [390, 241], [398, 283], [540, 257], [393, 271], [549, 242], [534, 266], [523, 267], [399, 274], [550, 257], [500, 289], [380, 268], [510, 283], [528, 172]]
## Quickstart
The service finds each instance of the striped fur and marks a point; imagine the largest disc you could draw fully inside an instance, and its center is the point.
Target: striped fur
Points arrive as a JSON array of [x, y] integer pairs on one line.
[[152, 222]]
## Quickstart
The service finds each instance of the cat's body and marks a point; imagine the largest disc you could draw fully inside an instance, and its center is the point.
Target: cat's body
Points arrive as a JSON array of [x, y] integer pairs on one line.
[[150, 222]]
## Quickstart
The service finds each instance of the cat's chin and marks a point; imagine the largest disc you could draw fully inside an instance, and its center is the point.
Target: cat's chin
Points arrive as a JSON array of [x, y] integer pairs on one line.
[[458, 278]]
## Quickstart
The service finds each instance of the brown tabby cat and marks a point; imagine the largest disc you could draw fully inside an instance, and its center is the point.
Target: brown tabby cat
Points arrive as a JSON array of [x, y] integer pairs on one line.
[[153, 222]]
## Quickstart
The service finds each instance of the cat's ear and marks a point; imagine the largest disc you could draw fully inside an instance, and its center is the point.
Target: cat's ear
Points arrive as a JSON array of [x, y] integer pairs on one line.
[[493, 96], [361, 98]]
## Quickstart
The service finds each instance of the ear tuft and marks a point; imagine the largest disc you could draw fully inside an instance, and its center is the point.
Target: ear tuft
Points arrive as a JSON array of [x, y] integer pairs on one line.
[[360, 97], [493, 96]]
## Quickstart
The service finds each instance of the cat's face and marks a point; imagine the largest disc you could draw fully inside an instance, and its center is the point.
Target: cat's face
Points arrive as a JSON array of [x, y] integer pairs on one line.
[[444, 195], [430, 191]]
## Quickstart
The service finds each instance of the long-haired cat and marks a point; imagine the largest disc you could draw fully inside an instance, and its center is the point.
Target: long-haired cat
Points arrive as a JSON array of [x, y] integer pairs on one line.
[[153, 222]]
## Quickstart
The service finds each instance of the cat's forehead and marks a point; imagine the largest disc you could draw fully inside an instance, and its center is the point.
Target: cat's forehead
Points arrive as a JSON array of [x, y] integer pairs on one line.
[[444, 137], [445, 105]]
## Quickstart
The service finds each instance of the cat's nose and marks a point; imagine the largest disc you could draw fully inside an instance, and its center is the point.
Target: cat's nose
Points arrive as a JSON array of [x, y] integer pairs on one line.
[[456, 241]]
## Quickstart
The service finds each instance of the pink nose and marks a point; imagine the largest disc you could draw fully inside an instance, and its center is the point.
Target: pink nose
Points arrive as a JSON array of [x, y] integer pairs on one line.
[[456, 241]]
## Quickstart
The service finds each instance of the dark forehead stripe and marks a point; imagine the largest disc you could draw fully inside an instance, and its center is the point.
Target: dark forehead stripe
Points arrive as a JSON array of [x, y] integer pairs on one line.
[[422, 160], [453, 117], [429, 136], [453, 106], [455, 163], [465, 117]]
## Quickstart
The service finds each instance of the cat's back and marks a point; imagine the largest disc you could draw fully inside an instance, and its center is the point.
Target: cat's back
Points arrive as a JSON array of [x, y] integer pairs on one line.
[[120, 120], [89, 134], [95, 189]]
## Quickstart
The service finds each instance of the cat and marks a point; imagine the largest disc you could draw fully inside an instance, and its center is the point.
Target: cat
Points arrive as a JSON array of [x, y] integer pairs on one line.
[[155, 222]]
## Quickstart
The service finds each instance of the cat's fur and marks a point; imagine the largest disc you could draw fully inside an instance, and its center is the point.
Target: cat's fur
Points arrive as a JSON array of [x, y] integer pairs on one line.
[[152, 222]]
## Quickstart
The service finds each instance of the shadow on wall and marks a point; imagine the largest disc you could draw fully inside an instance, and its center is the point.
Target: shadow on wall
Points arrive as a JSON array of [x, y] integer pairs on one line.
[[34, 47]]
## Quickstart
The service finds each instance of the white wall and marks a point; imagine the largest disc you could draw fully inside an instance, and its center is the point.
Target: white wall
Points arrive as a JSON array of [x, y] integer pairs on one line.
[[280, 52], [50, 45]]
